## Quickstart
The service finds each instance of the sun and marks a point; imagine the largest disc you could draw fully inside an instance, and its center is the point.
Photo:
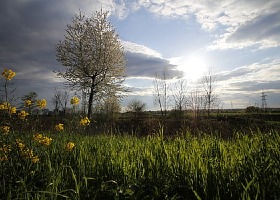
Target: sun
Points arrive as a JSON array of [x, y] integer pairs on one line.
[[193, 66]]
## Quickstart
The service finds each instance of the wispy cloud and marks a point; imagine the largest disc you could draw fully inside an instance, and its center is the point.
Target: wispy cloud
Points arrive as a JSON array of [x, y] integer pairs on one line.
[[242, 86], [247, 82], [140, 49], [263, 30], [146, 62], [239, 23]]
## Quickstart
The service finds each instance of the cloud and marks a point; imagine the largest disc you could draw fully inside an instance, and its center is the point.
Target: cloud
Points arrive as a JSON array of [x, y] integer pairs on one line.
[[263, 30], [146, 66], [29, 31], [243, 85], [146, 62], [237, 24], [31, 28], [259, 72], [140, 49], [139, 86], [251, 79]]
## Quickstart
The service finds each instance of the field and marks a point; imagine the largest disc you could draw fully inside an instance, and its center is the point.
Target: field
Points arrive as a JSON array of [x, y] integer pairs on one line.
[[151, 167], [136, 155]]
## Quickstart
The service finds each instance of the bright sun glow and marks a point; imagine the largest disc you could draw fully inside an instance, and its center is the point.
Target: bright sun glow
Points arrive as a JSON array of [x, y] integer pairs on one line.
[[193, 66]]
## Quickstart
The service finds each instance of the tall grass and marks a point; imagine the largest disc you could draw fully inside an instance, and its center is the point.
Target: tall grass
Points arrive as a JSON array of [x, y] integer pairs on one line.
[[127, 167]]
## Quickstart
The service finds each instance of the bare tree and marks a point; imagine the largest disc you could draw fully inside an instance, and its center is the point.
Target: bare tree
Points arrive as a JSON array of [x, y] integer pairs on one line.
[[65, 99], [56, 100], [32, 97], [93, 57], [161, 93], [195, 101], [209, 86], [109, 108], [179, 89], [60, 100]]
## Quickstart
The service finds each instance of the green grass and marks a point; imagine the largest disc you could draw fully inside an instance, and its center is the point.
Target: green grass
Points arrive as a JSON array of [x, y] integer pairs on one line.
[[127, 167]]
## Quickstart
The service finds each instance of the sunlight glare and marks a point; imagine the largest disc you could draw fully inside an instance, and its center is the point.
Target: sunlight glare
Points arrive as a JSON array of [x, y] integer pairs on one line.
[[193, 66]]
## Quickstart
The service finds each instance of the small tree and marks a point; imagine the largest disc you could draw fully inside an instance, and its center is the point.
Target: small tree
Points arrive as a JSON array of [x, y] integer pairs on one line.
[[136, 106], [179, 89], [209, 85], [195, 101], [93, 57], [161, 95], [60, 100], [32, 97], [252, 109], [108, 109]]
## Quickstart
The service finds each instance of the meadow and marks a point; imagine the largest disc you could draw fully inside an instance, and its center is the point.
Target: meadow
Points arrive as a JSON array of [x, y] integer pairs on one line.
[[58, 158], [153, 167]]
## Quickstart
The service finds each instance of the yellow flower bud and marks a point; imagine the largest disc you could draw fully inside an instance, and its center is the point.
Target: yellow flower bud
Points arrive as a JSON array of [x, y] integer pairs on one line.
[[41, 103], [75, 101], [85, 121], [8, 74], [22, 114], [27, 103], [70, 146], [59, 127]]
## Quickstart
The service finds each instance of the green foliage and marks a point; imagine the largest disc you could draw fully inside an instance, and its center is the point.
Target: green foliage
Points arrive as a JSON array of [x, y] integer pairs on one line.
[[252, 109], [126, 167], [62, 164]]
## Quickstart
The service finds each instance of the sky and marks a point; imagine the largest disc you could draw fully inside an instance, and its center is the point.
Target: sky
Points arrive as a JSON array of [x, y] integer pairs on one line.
[[239, 40]]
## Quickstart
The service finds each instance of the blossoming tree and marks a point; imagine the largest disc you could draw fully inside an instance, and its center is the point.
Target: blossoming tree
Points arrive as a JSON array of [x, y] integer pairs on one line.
[[93, 57]]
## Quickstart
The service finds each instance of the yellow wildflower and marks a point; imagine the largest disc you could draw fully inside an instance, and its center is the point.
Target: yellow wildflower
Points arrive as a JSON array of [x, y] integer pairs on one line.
[[5, 130], [2, 107], [35, 159], [5, 106], [27, 103], [4, 151], [45, 141], [75, 101], [22, 114], [8, 74], [20, 144], [37, 136], [41, 103], [5, 148], [5, 157], [70, 146], [12, 110], [59, 127], [28, 153], [85, 121], [42, 139]]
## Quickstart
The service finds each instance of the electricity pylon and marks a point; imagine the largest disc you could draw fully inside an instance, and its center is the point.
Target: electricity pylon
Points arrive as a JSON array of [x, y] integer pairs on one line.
[[264, 104]]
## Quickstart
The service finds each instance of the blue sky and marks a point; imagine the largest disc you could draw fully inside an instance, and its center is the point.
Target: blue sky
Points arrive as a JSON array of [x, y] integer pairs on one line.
[[240, 40]]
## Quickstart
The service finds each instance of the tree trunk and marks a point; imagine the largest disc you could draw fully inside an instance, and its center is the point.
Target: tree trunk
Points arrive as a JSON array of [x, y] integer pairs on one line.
[[90, 100]]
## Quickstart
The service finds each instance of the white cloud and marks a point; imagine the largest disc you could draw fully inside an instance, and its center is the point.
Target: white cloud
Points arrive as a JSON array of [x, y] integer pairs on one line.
[[146, 62], [254, 77], [234, 19], [141, 49], [243, 86], [140, 86]]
